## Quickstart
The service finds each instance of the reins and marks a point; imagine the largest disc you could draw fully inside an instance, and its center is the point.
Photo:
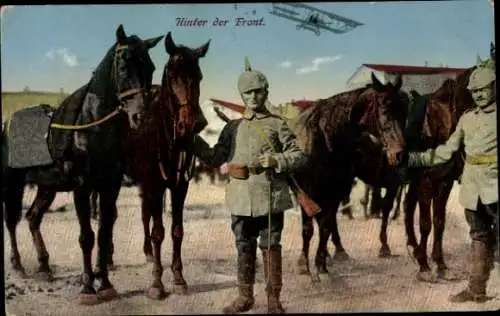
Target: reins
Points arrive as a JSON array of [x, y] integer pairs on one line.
[[121, 96]]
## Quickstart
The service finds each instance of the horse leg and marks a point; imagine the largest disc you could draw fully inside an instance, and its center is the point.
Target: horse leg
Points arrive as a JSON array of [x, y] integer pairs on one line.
[[178, 197], [152, 206], [108, 195], [147, 247], [424, 202], [307, 233], [81, 197], [364, 201], [439, 221], [340, 253], [410, 205], [13, 199], [387, 204], [324, 233], [43, 200], [397, 208], [376, 203], [93, 205]]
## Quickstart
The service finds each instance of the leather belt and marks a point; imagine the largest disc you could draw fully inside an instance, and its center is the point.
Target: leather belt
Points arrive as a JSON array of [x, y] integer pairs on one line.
[[243, 172], [481, 160]]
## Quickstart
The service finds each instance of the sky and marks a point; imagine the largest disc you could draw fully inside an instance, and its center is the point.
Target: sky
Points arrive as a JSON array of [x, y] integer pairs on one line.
[[51, 47]]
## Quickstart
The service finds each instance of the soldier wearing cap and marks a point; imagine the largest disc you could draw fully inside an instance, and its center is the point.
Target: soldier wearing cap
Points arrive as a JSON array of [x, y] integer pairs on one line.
[[259, 149], [477, 131]]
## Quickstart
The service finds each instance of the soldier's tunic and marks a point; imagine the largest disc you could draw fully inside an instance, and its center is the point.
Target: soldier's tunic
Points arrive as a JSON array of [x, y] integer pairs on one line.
[[477, 130], [250, 200]]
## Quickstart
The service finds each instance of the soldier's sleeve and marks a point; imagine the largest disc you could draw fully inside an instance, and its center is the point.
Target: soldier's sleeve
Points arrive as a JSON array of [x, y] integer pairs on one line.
[[292, 156], [440, 154], [219, 154]]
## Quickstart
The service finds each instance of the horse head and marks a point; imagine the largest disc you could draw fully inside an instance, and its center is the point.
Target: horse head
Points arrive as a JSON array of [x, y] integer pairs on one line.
[[380, 110], [132, 74], [182, 76]]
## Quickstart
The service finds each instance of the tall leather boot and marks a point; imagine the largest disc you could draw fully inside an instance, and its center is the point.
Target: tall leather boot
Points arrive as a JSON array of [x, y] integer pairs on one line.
[[273, 273], [479, 273], [246, 280]]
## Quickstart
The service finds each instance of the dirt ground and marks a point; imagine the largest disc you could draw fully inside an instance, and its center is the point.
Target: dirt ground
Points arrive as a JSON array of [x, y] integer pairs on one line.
[[362, 284]]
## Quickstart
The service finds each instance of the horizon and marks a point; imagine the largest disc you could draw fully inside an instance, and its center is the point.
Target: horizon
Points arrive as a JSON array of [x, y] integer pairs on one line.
[[412, 33]]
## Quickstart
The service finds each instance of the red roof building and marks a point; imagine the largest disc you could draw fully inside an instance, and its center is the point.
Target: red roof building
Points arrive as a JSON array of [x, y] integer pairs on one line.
[[419, 78]]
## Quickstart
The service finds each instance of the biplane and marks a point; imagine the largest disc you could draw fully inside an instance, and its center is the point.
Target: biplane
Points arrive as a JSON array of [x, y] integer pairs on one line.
[[313, 19], [288, 111]]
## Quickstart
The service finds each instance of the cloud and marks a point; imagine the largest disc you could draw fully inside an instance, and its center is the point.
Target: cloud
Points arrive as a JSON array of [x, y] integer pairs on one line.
[[286, 64], [318, 61], [69, 59]]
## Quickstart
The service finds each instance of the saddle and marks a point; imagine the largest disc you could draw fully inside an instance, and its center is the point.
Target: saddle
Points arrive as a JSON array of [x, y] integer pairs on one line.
[[32, 142], [27, 132]]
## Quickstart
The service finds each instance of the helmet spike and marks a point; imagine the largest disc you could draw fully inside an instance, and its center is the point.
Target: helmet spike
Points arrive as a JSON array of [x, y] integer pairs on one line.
[[248, 67]]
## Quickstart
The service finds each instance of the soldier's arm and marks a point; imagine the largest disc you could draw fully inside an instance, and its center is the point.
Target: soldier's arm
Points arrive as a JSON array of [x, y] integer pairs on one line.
[[292, 156], [219, 154], [440, 154]]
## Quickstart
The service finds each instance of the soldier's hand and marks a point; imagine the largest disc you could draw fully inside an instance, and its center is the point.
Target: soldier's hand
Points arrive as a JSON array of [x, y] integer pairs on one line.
[[267, 161]]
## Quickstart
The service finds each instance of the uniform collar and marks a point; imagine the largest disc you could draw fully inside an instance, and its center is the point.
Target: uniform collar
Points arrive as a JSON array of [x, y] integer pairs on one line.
[[250, 114], [489, 109]]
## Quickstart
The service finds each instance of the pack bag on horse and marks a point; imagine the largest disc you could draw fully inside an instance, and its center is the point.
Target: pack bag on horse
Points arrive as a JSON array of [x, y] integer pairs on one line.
[[260, 150], [164, 159], [476, 134], [84, 130], [329, 130]]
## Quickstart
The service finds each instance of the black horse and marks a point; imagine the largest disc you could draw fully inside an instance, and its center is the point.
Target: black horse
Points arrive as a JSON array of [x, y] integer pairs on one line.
[[87, 155]]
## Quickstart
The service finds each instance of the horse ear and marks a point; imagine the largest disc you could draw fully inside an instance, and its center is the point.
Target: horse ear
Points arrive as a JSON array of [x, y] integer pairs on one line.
[[170, 46], [399, 82], [152, 42], [376, 83], [202, 51], [121, 37]]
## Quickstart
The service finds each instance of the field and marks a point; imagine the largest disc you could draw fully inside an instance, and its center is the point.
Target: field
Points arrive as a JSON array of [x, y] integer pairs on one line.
[[13, 101], [361, 284]]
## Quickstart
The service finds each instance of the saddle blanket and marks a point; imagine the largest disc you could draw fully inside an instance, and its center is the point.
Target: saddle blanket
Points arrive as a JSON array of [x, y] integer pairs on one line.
[[27, 137]]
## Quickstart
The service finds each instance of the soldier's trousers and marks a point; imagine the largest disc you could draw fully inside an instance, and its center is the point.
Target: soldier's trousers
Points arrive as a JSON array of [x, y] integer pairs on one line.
[[483, 224], [247, 229]]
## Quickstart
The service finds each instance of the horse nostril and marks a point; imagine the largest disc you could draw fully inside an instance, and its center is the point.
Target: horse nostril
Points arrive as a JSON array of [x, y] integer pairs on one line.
[[137, 118]]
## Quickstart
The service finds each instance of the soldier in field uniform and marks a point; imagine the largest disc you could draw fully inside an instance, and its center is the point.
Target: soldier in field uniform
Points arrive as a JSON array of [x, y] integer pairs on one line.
[[477, 131], [259, 149]]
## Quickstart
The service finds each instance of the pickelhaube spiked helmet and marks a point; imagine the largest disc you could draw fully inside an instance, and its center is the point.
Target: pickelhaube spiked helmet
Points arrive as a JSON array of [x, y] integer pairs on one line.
[[481, 77], [251, 79]]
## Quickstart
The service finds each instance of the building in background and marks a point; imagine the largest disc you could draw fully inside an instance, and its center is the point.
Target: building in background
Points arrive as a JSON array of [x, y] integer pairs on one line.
[[422, 79]]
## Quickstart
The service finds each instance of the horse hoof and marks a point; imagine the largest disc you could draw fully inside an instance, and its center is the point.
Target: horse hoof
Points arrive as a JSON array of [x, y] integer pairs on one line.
[[45, 276], [88, 299], [385, 252], [321, 269], [20, 273], [303, 269], [107, 294], [446, 275], [180, 289], [341, 256], [150, 258], [157, 293], [426, 276]]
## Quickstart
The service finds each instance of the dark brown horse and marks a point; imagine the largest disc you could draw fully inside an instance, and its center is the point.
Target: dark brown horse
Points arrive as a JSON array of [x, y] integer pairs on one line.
[[372, 208], [432, 186], [120, 84], [329, 130], [163, 160]]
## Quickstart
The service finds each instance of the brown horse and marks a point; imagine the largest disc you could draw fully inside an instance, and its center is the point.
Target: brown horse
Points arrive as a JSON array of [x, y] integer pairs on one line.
[[163, 160], [432, 186], [372, 208], [329, 130]]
